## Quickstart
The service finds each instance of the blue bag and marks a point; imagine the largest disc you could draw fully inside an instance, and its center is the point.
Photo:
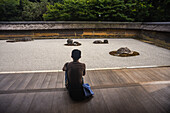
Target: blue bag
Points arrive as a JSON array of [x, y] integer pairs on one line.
[[87, 90]]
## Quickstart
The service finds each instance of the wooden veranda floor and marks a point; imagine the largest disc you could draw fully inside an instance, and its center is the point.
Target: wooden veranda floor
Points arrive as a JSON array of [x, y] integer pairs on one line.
[[144, 90]]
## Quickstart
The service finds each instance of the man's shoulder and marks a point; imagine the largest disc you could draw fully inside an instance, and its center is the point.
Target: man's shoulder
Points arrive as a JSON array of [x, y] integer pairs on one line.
[[82, 63], [66, 63], [79, 63]]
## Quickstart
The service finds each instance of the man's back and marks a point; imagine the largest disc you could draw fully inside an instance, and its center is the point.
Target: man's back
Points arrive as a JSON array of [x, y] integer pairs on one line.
[[75, 71]]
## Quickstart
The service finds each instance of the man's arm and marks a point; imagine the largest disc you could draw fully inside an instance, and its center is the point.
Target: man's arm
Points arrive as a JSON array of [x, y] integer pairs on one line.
[[65, 66], [84, 72]]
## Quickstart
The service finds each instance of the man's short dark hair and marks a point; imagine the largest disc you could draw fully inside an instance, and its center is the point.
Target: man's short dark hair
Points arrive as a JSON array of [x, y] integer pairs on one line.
[[76, 54]]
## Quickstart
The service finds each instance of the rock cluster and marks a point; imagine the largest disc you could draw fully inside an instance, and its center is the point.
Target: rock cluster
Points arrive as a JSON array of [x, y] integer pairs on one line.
[[20, 39], [70, 42], [100, 42], [123, 52]]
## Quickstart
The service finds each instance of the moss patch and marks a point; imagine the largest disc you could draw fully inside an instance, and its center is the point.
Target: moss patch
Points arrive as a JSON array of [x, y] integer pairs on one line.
[[114, 53]]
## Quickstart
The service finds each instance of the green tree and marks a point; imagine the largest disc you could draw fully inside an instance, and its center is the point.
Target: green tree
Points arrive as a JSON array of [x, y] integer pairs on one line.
[[33, 10], [160, 10], [139, 10], [87, 10], [9, 10]]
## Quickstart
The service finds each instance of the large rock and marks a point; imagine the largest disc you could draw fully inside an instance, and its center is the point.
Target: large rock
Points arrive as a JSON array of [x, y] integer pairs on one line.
[[97, 42], [124, 50]]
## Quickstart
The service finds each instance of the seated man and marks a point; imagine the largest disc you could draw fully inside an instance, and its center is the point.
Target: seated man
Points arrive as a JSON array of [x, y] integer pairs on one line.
[[73, 75]]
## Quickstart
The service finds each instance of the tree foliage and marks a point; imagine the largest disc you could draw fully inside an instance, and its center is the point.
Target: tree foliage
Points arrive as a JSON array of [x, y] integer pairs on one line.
[[85, 10], [13, 10], [9, 10], [33, 10], [100, 10]]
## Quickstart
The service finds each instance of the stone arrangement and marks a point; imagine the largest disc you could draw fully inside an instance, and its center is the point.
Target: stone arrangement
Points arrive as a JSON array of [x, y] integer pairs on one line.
[[70, 42], [24, 39], [123, 52], [100, 42]]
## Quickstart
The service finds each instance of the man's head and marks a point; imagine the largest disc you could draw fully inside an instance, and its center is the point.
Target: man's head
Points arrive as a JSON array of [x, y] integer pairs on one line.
[[76, 54]]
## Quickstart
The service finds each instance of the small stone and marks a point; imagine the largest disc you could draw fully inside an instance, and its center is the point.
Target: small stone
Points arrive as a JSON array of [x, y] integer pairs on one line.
[[69, 41], [75, 44], [105, 41]]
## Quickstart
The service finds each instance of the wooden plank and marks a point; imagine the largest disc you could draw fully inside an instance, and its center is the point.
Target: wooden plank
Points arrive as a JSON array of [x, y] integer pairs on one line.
[[25, 81], [53, 80], [60, 80], [5, 101], [87, 78], [130, 75], [94, 78], [24, 107], [115, 77], [135, 75], [8, 81], [41, 103], [159, 77], [63, 83], [32, 82], [16, 103], [46, 81], [158, 72], [165, 71], [161, 94], [105, 77], [97, 103], [98, 77], [140, 76], [141, 73], [2, 76], [61, 102], [150, 75], [127, 77], [150, 105], [40, 80], [111, 98], [91, 77], [120, 100], [80, 107], [114, 101], [17, 82], [124, 77]]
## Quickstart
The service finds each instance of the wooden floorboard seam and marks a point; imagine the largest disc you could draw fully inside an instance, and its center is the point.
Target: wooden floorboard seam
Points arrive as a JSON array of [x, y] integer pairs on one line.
[[93, 87]]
